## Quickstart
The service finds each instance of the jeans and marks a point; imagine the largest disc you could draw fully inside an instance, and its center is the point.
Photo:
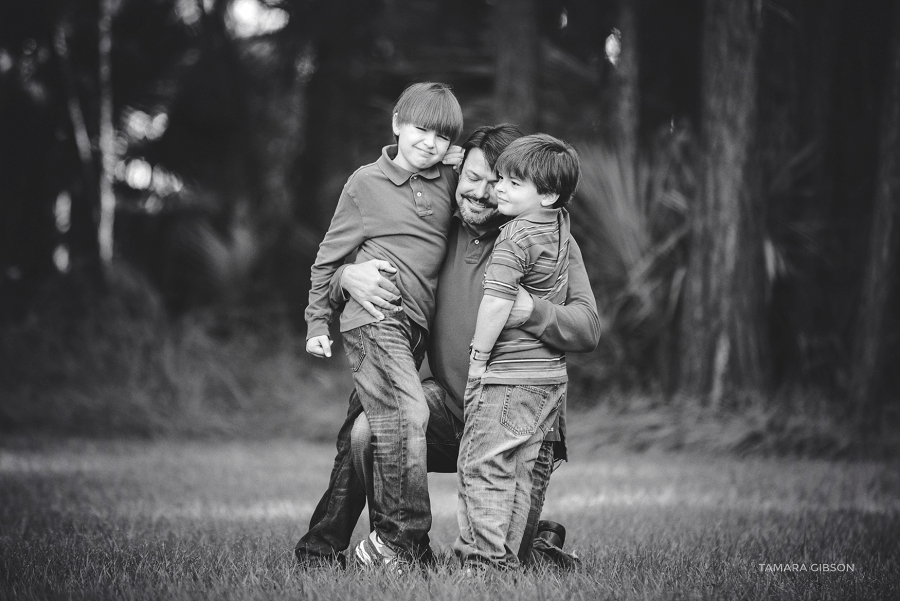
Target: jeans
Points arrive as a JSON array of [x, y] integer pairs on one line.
[[384, 359], [352, 484], [335, 517], [442, 439], [338, 511], [502, 439]]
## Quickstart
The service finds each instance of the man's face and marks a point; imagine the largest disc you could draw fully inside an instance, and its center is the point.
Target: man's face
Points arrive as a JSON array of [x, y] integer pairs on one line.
[[475, 192]]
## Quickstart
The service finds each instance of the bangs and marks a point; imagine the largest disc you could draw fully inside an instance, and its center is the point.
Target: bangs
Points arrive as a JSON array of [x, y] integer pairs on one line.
[[432, 106], [518, 161], [551, 164]]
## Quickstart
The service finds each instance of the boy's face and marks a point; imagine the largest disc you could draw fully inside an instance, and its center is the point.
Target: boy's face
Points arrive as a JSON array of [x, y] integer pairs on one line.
[[516, 196], [418, 148]]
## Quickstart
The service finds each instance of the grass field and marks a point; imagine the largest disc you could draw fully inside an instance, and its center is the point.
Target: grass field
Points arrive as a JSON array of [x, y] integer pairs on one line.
[[178, 520]]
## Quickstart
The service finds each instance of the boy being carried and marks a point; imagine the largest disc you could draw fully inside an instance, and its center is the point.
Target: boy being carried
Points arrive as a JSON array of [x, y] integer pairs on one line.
[[516, 383], [397, 209]]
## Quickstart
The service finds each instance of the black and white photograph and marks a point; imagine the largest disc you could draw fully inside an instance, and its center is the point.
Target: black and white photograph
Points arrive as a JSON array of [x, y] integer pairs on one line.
[[392, 300]]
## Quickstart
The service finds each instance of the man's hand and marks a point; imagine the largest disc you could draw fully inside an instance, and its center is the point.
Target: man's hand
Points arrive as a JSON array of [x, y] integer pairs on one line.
[[454, 157], [521, 309], [319, 346], [477, 368], [367, 285]]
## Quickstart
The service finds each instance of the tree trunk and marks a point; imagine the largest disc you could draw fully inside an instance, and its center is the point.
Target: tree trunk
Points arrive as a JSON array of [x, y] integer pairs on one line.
[[722, 326], [337, 111], [625, 90], [517, 47], [107, 134], [879, 270], [73, 106]]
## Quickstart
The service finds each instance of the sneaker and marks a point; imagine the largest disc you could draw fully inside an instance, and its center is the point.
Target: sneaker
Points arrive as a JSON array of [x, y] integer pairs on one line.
[[372, 552], [472, 571]]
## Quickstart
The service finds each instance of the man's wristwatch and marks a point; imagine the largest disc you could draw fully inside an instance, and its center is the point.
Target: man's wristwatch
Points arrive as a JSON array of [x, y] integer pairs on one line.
[[476, 355]]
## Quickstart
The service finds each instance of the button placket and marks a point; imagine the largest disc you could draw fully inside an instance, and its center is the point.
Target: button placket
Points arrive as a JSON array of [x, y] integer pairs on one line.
[[474, 251], [423, 203]]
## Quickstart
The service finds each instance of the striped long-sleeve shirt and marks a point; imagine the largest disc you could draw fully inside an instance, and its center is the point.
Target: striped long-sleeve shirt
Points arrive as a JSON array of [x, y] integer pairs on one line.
[[532, 250]]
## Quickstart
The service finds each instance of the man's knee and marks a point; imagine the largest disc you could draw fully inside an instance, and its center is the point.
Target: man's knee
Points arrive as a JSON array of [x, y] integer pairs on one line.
[[361, 436], [418, 416]]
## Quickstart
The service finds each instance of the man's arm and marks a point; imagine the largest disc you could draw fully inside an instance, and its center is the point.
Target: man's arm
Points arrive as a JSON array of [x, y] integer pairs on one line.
[[366, 283], [575, 326]]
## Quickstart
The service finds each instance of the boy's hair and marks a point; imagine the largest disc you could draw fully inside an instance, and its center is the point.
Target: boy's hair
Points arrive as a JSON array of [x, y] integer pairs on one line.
[[432, 106], [492, 140], [551, 164]]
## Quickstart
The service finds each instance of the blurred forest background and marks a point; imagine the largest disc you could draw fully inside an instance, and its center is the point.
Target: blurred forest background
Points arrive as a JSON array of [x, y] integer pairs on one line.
[[168, 167]]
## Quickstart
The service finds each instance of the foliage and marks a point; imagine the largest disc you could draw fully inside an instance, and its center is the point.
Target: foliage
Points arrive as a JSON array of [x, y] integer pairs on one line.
[[181, 520], [99, 362], [790, 423], [631, 225]]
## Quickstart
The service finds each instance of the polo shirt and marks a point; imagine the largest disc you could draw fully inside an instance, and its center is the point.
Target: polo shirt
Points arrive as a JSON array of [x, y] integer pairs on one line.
[[385, 212]]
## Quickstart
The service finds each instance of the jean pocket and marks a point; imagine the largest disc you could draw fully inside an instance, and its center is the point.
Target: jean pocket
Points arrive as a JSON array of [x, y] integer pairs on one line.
[[355, 348], [522, 409]]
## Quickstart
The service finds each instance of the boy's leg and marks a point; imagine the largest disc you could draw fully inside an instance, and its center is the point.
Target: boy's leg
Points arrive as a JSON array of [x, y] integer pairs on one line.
[[526, 461], [442, 437], [499, 420], [384, 357], [335, 517]]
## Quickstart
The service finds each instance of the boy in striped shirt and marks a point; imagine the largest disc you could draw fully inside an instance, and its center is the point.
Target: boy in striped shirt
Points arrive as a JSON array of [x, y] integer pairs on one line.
[[516, 383]]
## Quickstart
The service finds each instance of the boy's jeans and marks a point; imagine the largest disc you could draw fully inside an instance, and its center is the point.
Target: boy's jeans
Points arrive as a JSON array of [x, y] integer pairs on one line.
[[505, 425], [350, 484], [385, 357]]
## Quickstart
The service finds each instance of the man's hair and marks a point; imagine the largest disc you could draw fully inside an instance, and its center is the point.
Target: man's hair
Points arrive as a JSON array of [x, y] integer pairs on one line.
[[492, 140], [551, 164], [432, 106]]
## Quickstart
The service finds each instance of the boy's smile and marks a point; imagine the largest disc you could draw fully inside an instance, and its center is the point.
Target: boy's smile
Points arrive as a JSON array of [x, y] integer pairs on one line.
[[418, 148], [516, 196]]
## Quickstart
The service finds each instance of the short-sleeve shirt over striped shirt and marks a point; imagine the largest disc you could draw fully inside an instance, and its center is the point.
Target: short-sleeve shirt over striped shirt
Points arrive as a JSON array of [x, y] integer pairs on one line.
[[532, 251]]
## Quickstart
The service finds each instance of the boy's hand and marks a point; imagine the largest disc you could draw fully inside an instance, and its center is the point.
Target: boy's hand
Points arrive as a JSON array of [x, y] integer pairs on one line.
[[367, 285], [521, 309], [454, 157], [319, 346], [476, 368]]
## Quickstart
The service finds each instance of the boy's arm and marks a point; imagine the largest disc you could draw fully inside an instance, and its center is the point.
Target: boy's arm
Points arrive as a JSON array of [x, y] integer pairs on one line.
[[492, 314], [502, 277], [575, 326], [344, 235]]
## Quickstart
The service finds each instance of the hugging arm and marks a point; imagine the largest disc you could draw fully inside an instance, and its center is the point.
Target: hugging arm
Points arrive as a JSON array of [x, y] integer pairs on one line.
[[575, 326], [492, 314], [367, 284]]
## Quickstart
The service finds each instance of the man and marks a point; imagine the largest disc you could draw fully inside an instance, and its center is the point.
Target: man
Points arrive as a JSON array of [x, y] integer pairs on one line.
[[574, 327]]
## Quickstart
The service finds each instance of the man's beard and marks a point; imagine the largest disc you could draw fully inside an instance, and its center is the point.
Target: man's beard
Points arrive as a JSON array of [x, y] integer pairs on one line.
[[488, 217]]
